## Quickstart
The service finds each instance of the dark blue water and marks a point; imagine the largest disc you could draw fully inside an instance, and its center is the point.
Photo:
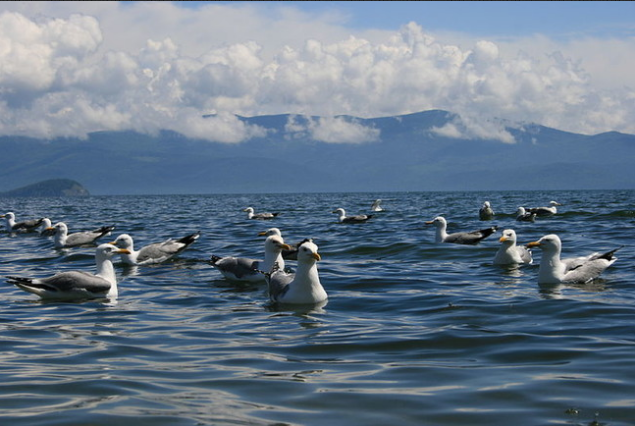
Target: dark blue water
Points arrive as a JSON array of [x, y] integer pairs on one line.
[[414, 333]]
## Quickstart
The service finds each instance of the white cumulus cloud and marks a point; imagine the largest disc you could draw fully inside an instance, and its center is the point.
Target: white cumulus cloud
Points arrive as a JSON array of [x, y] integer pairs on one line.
[[341, 130], [68, 69]]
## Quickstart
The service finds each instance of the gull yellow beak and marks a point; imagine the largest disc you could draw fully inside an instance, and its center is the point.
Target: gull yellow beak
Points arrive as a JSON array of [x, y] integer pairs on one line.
[[502, 239], [534, 244], [123, 251], [316, 256]]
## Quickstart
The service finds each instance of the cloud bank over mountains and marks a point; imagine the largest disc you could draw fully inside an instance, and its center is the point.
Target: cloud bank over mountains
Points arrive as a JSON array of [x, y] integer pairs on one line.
[[68, 74]]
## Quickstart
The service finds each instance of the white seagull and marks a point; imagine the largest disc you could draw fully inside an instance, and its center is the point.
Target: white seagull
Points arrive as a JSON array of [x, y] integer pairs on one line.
[[245, 269], [301, 287], [25, 226], [351, 219], [471, 237], [376, 207], [77, 285], [554, 270], [259, 216], [486, 212], [523, 216], [287, 254], [63, 239], [509, 252], [153, 253], [46, 228], [545, 211]]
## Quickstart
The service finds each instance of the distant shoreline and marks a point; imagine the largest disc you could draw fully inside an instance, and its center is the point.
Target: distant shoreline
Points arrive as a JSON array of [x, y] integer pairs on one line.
[[49, 188]]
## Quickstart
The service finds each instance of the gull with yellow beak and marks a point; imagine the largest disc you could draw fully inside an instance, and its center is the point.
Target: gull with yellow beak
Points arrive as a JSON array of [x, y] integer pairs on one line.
[[246, 269], [287, 254], [303, 286], [510, 253], [77, 285], [554, 270]]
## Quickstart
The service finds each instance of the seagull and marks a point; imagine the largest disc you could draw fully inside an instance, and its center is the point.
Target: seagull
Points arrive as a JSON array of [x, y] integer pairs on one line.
[[554, 270], [376, 207], [291, 253], [244, 269], [473, 237], [351, 219], [523, 216], [509, 252], [546, 211], [259, 216], [46, 228], [25, 226], [73, 285], [486, 212], [301, 287], [63, 239], [153, 253]]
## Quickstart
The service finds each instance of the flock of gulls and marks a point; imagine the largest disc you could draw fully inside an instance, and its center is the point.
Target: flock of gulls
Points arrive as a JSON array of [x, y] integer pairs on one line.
[[286, 286]]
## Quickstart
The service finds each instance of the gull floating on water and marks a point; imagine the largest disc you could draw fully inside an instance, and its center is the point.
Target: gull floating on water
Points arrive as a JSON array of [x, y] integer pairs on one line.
[[153, 253], [301, 287], [287, 254], [351, 219], [509, 252], [259, 216], [376, 207], [486, 212], [245, 269], [76, 285], [24, 226], [46, 228], [471, 237], [63, 239], [523, 216], [546, 211], [554, 270]]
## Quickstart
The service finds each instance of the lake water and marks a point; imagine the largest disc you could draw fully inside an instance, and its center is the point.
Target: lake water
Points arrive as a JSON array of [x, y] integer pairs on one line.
[[414, 332]]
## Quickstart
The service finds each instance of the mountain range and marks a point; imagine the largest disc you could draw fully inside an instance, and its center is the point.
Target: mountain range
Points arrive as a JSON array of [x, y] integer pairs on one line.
[[407, 154]]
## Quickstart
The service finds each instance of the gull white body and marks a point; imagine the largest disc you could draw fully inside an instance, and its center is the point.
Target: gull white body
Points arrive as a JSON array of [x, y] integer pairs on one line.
[[376, 206], [509, 252], [342, 218], [76, 285], [62, 239], [303, 286], [251, 270], [287, 254], [523, 216], [259, 216], [546, 211], [554, 270], [25, 226], [152, 253], [471, 237], [486, 212]]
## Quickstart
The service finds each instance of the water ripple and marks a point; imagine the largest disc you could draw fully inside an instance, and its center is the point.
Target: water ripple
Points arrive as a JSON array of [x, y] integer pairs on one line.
[[413, 333]]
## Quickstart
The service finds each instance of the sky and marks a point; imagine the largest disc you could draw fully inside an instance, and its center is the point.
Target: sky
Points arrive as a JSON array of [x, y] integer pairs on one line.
[[71, 68]]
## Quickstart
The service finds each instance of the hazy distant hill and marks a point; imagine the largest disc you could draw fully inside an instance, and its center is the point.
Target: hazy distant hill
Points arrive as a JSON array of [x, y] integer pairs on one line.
[[49, 188], [407, 156]]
